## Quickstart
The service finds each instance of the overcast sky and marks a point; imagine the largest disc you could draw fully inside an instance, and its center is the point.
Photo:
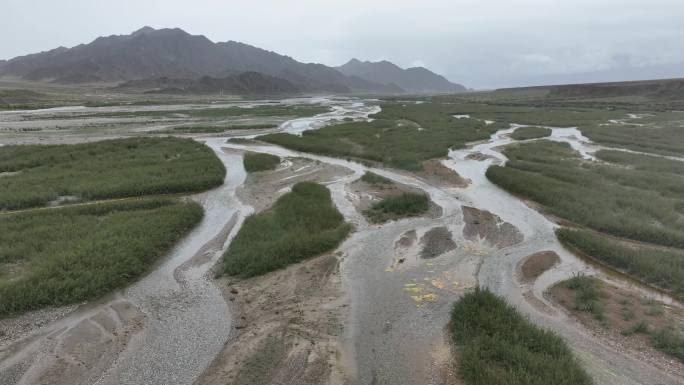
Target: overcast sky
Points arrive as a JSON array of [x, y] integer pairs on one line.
[[480, 43]]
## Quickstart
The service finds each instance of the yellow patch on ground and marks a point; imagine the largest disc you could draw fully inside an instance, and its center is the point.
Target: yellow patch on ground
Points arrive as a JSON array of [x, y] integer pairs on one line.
[[414, 289], [438, 283], [430, 297], [389, 269]]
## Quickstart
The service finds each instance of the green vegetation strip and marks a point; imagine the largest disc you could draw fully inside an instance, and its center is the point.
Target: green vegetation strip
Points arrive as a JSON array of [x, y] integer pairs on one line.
[[212, 113], [636, 197], [401, 136], [301, 224], [398, 206], [531, 132], [219, 129], [659, 133], [108, 169], [661, 267], [260, 162], [70, 254], [498, 346]]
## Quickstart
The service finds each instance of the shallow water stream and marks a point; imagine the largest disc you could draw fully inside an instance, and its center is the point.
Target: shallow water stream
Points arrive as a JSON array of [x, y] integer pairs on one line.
[[395, 329]]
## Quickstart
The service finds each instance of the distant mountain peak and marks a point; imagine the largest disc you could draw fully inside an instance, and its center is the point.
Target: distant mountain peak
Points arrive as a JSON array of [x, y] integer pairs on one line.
[[415, 79], [143, 30]]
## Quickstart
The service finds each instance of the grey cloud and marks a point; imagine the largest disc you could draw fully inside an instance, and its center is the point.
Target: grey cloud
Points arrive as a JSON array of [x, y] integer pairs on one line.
[[484, 44]]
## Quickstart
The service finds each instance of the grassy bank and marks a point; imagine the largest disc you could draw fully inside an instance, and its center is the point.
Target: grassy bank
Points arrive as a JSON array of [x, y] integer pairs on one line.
[[401, 136], [398, 206], [628, 198], [255, 161], [530, 132], [106, 169], [301, 224], [66, 255], [661, 267], [497, 345]]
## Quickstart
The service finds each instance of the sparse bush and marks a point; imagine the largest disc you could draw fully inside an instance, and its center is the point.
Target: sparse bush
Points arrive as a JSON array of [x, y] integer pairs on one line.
[[587, 295], [669, 342], [375, 179], [639, 327]]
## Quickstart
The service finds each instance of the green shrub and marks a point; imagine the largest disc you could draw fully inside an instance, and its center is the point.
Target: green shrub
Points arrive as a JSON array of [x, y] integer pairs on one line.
[[530, 132], [375, 179], [498, 346], [301, 224], [587, 295], [669, 342], [398, 206], [254, 162], [639, 327]]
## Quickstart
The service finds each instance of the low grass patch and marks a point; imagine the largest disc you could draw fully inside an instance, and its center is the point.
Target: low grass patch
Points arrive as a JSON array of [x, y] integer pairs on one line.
[[623, 311], [301, 224], [106, 169], [375, 179], [255, 161], [530, 132], [388, 139], [587, 295], [669, 342], [70, 254], [398, 206], [498, 346]]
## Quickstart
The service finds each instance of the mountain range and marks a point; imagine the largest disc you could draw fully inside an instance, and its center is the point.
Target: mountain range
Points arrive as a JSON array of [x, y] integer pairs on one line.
[[172, 60]]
